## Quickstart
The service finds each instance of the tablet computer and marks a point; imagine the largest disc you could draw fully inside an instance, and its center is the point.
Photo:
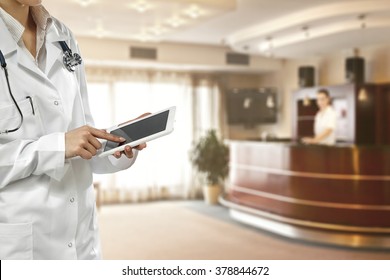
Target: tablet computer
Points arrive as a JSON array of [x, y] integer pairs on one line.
[[139, 131]]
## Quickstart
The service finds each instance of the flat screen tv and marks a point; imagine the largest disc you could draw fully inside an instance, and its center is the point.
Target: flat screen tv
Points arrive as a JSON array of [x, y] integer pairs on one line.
[[251, 107]]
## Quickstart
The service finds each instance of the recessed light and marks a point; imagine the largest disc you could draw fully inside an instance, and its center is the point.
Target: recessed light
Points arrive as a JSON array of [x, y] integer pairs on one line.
[[306, 32], [157, 30], [143, 37], [175, 21], [264, 46], [141, 6], [100, 31], [193, 11], [85, 3]]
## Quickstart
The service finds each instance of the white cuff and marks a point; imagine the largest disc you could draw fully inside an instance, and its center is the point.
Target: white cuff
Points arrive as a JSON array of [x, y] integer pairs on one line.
[[51, 156]]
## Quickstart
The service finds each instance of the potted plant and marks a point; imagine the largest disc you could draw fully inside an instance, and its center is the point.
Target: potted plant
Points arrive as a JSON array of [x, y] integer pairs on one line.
[[210, 156]]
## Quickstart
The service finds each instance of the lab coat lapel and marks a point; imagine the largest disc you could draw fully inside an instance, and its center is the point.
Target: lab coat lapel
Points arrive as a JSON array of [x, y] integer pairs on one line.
[[54, 50], [8, 46], [26, 62]]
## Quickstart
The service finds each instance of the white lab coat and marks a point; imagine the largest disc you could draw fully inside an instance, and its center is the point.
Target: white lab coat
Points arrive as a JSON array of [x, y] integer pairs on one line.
[[47, 204]]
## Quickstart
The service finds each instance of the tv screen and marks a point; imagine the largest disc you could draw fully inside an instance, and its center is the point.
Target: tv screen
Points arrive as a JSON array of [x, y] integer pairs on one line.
[[251, 106]]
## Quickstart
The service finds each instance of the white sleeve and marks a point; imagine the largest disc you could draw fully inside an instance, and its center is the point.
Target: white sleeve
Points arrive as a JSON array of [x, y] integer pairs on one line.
[[330, 119], [107, 164], [22, 158]]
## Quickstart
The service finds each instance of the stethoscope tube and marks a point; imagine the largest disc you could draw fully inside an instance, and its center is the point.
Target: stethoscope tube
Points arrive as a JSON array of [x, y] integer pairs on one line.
[[71, 60], [2, 60], [4, 66]]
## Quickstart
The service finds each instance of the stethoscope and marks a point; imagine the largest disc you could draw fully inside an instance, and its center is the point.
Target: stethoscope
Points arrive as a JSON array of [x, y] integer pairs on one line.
[[70, 60]]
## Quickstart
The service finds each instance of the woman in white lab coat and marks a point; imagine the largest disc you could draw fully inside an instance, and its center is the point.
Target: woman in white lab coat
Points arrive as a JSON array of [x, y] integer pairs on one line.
[[324, 122], [47, 204]]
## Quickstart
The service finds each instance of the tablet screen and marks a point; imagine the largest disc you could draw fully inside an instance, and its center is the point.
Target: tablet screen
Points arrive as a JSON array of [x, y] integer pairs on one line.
[[139, 129]]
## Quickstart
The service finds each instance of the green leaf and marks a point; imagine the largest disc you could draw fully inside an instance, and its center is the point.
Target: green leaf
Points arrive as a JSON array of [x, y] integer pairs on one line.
[[210, 156]]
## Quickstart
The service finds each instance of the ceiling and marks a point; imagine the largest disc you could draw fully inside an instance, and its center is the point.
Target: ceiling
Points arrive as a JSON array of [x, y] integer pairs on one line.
[[278, 28]]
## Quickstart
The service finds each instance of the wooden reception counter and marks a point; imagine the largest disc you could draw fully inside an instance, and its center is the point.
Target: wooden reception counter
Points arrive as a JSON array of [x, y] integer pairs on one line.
[[336, 195]]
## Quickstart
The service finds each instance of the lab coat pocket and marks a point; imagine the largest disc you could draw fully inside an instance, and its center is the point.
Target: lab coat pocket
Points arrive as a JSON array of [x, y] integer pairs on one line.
[[31, 127], [16, 241]]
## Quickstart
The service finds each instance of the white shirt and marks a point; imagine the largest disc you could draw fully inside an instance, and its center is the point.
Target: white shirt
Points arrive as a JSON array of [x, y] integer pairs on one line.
[[47, 203], [326, 120]]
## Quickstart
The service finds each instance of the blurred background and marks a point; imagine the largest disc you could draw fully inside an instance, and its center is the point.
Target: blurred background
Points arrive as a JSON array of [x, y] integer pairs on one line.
[[248, 70]]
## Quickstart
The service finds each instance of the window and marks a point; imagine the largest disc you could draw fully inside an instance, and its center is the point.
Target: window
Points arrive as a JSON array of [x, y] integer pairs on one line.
[[164, 164]]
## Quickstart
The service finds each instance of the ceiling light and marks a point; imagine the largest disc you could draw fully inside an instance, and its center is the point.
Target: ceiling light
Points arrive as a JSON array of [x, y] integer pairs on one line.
[[143, 37], [100, 31], [362, 21], [193, 11], [306, 32], [85, 3], [175, 21], [157, 30], [267, 47], [264, 46], [141, 6]]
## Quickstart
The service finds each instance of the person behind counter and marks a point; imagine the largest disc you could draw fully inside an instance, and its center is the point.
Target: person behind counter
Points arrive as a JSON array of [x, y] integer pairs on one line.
[[325, 121]]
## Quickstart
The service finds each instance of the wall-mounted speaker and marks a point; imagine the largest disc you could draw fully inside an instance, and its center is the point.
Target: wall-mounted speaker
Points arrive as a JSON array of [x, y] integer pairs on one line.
[[306, 76], [354, 67]]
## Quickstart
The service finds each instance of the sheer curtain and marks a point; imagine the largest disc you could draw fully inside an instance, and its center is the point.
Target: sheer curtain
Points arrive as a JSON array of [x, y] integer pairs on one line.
[[163, 169], [208, 109], [209, 112]]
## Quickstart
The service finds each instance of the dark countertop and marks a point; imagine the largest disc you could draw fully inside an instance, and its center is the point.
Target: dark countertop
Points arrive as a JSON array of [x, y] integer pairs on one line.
[[298, 144]]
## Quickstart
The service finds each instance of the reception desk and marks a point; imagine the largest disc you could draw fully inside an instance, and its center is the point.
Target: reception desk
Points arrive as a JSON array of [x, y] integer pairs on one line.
[[336, 195]]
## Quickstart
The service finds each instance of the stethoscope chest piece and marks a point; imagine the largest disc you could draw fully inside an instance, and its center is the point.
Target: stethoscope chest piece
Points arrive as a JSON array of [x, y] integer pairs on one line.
[[71, 60]]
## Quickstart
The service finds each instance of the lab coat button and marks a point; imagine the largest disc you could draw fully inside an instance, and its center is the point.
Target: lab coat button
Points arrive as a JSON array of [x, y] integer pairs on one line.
[[72, 199], [70, 244], [56, 103]]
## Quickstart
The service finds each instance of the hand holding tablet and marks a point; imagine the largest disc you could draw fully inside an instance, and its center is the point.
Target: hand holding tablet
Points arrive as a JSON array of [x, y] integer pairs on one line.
[[139, 131]]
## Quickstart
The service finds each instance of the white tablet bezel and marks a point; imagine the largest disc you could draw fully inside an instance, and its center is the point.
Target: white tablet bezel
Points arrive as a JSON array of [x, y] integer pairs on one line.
[[168, 129]]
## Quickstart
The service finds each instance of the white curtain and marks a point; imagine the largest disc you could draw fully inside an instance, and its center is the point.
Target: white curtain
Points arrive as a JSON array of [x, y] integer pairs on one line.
[[208, 109], [208, 112], [163, 169]]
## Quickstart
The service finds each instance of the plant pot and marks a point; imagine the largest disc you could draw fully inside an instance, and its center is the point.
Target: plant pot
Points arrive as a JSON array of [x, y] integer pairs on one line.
[[211, 194]]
